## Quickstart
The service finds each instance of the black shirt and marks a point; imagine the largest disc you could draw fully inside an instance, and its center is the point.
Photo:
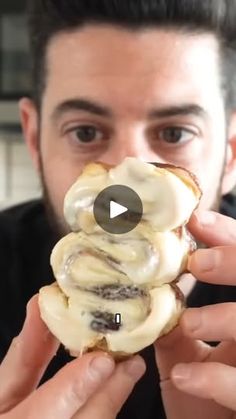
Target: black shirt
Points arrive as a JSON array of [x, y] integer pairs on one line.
[[26, 241]]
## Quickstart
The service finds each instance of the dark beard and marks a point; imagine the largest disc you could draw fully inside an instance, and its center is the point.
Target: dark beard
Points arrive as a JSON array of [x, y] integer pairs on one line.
[[57, 224], [217, 201]]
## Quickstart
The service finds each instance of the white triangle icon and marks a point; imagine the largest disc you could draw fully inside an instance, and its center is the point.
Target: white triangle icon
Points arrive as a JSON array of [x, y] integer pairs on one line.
[[116, 209]]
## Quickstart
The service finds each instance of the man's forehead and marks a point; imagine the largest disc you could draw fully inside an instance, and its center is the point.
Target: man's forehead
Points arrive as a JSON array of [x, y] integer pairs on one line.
[[108, 44], [107, 63]]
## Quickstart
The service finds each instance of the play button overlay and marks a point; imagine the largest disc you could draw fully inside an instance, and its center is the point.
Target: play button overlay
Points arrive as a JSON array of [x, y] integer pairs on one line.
[[118, 209]]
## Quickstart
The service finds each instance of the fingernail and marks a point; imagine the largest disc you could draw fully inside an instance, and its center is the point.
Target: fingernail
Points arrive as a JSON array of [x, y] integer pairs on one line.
[[205, 260], [181, 374], [101, 367], [135, 367], [205, 217]]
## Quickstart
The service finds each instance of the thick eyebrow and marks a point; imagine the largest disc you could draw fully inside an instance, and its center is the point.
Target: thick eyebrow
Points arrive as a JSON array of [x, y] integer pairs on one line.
[[81, 105], [177, 110]]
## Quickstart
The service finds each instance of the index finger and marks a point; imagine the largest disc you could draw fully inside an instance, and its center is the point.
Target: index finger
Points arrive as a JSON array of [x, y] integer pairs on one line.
[[212, 228]]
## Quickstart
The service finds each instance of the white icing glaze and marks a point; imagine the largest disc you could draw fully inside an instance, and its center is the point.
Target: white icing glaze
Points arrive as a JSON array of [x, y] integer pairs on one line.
[[168, 200], [149, 258], [69, 320], [82, 194], [163, 308], [81, 259]]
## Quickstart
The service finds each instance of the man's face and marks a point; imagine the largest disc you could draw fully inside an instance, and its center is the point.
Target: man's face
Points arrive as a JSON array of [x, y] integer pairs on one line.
[[152, 94]]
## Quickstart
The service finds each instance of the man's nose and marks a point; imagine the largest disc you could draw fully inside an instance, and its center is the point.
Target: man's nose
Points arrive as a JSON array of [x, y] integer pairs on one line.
[[130, 146]]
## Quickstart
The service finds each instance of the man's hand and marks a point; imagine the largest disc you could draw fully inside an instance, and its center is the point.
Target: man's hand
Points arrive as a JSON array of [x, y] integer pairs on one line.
[[186, 364], [91, 386]]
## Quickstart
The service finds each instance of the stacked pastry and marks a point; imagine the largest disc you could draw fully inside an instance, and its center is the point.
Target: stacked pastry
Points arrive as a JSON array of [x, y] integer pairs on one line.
[[99, 275]]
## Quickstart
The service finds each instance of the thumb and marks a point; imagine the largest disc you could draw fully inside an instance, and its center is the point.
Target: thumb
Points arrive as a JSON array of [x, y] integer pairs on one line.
[[63, 395], [108, 401]]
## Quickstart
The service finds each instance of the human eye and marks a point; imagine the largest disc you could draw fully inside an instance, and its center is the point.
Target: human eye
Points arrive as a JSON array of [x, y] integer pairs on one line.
[[85, 135], [176, 135]]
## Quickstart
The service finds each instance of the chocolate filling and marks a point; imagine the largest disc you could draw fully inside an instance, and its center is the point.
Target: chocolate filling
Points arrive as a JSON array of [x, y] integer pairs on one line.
[[118, 292], [104, 322]]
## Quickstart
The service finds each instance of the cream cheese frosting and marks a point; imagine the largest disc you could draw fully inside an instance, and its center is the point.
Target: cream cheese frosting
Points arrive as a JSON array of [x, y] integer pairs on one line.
[[169, 197], [99, 274]]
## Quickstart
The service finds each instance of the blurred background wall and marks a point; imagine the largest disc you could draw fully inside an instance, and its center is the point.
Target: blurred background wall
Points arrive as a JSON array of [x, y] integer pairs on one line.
[[18, 180]]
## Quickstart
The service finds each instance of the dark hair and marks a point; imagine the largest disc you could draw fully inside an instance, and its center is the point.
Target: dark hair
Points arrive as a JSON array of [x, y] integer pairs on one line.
[[49, 17]]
